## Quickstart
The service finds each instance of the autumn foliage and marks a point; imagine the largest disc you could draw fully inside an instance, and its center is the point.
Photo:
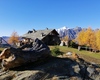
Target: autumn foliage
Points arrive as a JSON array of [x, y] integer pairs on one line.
[[66, 38], [98, 39], [90, 38], [14, 38]]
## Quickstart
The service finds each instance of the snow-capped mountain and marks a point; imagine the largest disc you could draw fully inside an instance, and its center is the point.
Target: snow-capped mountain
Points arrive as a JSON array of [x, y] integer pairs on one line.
[[71, 33]]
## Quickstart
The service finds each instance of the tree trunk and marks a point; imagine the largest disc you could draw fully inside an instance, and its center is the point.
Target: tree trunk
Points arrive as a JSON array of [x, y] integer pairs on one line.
[[79, 48]]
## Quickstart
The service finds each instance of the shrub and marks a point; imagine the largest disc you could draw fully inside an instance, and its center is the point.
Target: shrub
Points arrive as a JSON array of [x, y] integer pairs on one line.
[[73, 44], [55, 51]]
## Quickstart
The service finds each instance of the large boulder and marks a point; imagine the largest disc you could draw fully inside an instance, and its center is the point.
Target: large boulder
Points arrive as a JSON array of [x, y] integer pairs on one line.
[[54, 68], [13, 57]]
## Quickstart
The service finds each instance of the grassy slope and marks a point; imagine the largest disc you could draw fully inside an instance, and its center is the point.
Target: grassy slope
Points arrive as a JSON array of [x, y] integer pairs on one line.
[[1, 49], [87, 55]]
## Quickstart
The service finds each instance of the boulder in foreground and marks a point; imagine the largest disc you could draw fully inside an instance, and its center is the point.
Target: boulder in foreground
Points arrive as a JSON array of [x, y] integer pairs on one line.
[[13, 57]]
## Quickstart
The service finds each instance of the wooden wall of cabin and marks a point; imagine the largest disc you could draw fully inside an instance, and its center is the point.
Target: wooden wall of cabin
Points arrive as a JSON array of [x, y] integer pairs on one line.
[[51, 40]]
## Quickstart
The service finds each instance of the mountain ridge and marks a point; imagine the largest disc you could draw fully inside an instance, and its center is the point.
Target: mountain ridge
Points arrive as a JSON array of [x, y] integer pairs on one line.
[[70, 32]]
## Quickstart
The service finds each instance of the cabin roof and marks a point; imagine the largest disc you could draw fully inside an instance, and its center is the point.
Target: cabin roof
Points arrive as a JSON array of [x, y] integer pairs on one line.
[[40, 34]]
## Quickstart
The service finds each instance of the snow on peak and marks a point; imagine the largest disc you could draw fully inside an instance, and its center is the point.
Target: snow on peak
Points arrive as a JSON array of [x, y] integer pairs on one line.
[[64, 28]]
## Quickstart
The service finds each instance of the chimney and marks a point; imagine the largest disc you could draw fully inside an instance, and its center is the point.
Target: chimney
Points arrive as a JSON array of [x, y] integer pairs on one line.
[[46, 28], [34, 30], [42, 34]]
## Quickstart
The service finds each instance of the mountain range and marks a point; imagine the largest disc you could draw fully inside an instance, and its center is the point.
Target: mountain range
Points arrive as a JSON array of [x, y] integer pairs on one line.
[[70, 32]]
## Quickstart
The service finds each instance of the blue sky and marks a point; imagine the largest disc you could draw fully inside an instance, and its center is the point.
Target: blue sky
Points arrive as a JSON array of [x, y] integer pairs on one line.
[[24, 15]]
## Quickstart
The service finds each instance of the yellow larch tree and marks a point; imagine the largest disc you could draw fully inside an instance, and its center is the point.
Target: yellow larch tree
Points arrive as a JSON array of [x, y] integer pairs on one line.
[[80, 38], [88, 35], [88, 38], [98, 39], [13, 39], [93, 40]]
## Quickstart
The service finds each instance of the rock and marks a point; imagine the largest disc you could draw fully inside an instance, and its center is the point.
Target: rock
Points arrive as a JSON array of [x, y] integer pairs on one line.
[[75, 56], [52, 68], [61, 56], [68, 53], [75, 78], [12, 57], [90, 70], [76, 68], [98, 77], [71, 55]]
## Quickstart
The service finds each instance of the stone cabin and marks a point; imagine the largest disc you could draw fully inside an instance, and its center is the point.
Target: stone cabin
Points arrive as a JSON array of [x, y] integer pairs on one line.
[[48, 36]]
